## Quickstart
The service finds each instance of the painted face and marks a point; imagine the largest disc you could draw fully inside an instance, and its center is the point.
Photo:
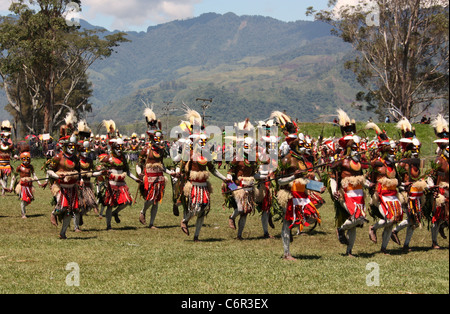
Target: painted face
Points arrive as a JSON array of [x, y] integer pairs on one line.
[[446, 152], [70, 149], [85, 152], [355, 149], [307, 146], [26, 159], [118, 149], [248, 144], [5, 138], [203, 141], [415, 148], [157, 138]]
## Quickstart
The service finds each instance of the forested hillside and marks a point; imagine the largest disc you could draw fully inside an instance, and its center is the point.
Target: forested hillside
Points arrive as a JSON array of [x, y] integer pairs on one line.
[[248, 65]]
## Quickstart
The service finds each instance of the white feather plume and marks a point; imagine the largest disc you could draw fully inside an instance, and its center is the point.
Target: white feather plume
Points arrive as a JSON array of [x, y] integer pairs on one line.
[[70, 117], [404, 125], [440, 124], [343, 118]]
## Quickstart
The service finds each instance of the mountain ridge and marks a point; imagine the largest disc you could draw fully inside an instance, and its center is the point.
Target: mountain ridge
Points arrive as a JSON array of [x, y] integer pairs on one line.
[[250, 65], [251, 57]]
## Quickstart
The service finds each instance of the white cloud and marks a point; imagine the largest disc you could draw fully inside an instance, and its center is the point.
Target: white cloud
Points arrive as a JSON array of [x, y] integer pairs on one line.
[[4, 5], [135, 13]]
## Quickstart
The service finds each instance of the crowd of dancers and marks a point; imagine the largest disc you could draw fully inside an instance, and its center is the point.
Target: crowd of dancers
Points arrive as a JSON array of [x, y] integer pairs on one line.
[[281, 175]]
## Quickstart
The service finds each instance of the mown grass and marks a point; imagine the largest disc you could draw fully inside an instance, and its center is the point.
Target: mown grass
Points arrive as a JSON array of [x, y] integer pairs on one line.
[[132, 259]]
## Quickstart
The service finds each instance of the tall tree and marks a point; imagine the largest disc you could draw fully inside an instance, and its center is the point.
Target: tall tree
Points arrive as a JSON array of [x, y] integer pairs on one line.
[[44, 59], [403, 51]]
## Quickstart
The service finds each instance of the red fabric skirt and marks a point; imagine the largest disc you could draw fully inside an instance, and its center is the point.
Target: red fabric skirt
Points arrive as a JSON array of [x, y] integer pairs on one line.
[[26, 192], [390, 204], [299, 213], [154, 185], [441, 212], [68, 198], [118, 195]]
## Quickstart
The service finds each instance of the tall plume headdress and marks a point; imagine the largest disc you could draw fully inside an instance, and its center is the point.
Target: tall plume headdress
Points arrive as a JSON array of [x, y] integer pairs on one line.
[[441, 128], [84, 132], [382, 137], [348, 126], [285, 122], [408, 132], [6, 128], [193, 123], [69, 127], [110, 126], [153, 124]]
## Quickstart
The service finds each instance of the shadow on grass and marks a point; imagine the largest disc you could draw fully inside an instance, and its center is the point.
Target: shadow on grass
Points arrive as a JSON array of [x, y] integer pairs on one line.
[[69, 238], [35, 216], [400, 251], [162, 227], [205, 240], [306, 257]]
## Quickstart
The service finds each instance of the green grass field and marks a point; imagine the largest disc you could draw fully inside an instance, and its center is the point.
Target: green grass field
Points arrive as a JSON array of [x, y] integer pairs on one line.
[[132, 259]]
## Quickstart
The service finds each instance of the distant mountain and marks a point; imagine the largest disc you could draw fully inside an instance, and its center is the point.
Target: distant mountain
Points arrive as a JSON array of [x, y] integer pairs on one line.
[[248, 65]]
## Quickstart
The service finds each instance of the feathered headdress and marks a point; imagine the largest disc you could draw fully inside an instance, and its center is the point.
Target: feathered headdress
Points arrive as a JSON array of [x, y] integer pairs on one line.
[[244, 129], [150, 117], [245, 125], [440, 126], [66, 130], [192, 122], [83, 130], [285, 122], [383, 139], [6, 126], [347, 125], [408, 132], [110, 126], [70, 118], [406, 128]]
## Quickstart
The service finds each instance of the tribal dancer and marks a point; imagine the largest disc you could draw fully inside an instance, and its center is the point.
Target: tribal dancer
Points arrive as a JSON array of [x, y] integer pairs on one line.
[[384, 184], [134, 147], [306, 148], [117, 193], [197, 189], [6, 148], [242, 172], [412, 189], [87, 197], [347, 183], [438, 181], [151, 169], [268, 163], [64, 168], [289, 129], [298, 209], [25, 188]]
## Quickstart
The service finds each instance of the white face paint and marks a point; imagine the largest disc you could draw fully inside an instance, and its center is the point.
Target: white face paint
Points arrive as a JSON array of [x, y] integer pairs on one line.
[[118, 147], [446, 152], [248, 143], [26, 160], [157, 138], [70, 149], [391, 158]]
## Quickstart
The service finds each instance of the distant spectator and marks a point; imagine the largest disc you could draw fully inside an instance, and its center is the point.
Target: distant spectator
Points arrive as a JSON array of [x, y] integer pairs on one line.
[[387, 120], [424, 120]]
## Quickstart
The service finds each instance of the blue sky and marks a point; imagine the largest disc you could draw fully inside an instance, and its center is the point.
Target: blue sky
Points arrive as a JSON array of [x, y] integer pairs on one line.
[[137, 15]]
